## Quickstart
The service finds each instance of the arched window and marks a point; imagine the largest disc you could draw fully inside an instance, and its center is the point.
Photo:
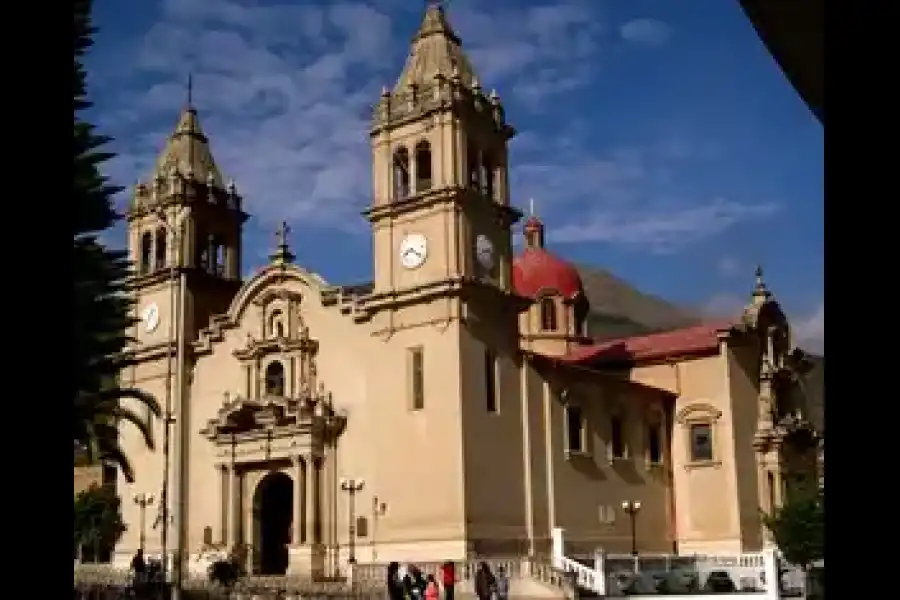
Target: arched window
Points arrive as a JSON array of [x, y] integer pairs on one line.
[[548, 314], [160, 248], [220, 258], [275, 379], [473, 162], [146, 252], [423, 166], [276, 324], [487, 176], [401, 174]]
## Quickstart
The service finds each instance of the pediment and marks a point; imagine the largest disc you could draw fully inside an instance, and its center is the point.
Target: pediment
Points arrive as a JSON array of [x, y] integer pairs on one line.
[[306, 414]]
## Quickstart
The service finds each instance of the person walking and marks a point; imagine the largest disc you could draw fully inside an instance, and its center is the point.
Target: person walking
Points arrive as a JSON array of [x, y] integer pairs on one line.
[[139, 570], [432, 591], [485, 584], [394, 582], [502, 584], [448, 579]]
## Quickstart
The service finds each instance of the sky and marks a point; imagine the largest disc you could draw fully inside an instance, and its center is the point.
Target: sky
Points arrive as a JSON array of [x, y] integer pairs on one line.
[[658, 139]]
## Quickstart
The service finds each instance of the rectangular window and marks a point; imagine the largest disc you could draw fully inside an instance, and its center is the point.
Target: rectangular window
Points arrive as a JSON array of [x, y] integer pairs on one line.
[[654, 445], [701, 442], [490, 381], [574, 429], [617, 438], [417, 378]]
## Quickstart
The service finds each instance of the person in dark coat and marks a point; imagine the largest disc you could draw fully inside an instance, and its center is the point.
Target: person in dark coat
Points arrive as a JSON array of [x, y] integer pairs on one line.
[[394, 584], [485, 584], [448, 579], [139, 569], [415, 583]]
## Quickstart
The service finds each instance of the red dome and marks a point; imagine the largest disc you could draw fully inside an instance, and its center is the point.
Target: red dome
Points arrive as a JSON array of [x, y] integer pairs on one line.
[[537, 271]]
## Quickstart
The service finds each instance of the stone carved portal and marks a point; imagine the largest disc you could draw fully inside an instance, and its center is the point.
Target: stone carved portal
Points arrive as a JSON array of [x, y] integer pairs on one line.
[[272, 520], [263, 440]]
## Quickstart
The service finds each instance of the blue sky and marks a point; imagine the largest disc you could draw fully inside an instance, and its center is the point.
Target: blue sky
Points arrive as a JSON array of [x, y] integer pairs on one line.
[[658, 139]]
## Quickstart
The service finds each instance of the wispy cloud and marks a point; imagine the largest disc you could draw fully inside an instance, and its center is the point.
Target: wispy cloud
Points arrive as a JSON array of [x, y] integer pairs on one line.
[[647, 32], [285, 90], [662, 230]]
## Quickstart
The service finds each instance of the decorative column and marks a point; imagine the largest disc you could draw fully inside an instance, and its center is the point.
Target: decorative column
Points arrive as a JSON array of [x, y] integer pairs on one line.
[[297, 525], [313, 528], [223, 504], [234, 508]]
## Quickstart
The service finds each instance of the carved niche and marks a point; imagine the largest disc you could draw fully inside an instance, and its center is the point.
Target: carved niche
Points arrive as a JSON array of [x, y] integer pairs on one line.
[[279, 359]]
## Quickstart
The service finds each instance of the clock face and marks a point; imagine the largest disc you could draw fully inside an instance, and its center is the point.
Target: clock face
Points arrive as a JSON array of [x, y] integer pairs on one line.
[[413, 250], [150, 317], [484, 252]]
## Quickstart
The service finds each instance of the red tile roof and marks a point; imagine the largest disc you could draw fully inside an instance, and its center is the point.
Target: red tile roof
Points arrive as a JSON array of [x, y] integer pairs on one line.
[[698, 339]]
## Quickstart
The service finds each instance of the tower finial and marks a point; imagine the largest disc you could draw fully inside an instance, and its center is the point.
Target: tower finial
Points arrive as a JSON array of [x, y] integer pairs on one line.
[[531, 207], [190, 90], [282, 254], [761, 292]]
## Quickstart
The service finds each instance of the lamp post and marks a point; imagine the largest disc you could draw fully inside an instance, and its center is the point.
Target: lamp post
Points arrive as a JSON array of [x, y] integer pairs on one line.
[[176, 331], [632, 507], [379, 508], [143, 501], [352, 486]]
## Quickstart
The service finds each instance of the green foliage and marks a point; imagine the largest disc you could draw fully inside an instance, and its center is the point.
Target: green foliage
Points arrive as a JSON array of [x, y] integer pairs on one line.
[[98, 518], [799, 529], [103, 311]]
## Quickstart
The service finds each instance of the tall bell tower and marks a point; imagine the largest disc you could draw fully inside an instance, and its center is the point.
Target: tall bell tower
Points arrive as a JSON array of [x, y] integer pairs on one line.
[[440, 213], [184, 229], [442, 302]]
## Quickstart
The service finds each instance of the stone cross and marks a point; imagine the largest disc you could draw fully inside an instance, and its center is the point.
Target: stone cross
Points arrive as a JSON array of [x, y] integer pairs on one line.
[[281, 234]]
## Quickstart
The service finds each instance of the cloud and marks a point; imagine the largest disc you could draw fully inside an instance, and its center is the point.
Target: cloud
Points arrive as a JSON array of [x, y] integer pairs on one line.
[[285, 90], [662, 230], [647, 32], [809, 329]]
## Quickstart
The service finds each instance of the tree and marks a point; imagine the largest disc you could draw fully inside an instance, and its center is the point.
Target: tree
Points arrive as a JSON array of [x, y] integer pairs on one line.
[[102, 308], [98, 520], [799, 529]]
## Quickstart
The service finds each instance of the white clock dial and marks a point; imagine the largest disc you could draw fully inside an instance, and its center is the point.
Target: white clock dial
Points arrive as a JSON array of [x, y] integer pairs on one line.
[[413, 250], [150, 317], [484, 251]]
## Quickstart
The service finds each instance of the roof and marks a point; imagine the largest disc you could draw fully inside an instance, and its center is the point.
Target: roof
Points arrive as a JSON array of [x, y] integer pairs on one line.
[[435, 48], [696, 340], [188, 151]]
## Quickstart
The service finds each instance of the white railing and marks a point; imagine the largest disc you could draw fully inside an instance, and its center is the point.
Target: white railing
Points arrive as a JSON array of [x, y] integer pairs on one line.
[[585, 577], [755, 575]]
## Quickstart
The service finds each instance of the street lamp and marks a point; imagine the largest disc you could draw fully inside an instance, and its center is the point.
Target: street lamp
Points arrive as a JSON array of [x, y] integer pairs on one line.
[[143, 501], [177, 313], [632, 507], [352, 486]]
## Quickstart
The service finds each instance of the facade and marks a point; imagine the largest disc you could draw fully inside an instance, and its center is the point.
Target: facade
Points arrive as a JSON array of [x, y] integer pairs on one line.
[[452, 408]]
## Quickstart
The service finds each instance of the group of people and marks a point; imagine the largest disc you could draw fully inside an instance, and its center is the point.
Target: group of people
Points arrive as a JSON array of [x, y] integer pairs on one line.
[[410, 583]]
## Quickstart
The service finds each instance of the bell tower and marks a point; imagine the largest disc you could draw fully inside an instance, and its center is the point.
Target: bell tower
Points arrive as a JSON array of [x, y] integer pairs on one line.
[[185, 220], [440, 214]]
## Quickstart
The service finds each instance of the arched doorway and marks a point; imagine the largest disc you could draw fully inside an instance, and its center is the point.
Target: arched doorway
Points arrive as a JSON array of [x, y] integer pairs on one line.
[[272, 516]]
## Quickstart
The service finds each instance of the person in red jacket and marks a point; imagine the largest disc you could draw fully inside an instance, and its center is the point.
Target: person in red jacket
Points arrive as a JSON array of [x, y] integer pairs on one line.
[[448, 579]]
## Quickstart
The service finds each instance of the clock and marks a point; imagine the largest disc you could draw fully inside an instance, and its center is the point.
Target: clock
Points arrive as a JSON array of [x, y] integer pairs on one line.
[[484, 252], [150, 317], [413, 250]]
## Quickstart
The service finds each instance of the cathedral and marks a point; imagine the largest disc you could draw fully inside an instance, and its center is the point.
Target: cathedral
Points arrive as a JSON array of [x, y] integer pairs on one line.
[[455, 407]]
